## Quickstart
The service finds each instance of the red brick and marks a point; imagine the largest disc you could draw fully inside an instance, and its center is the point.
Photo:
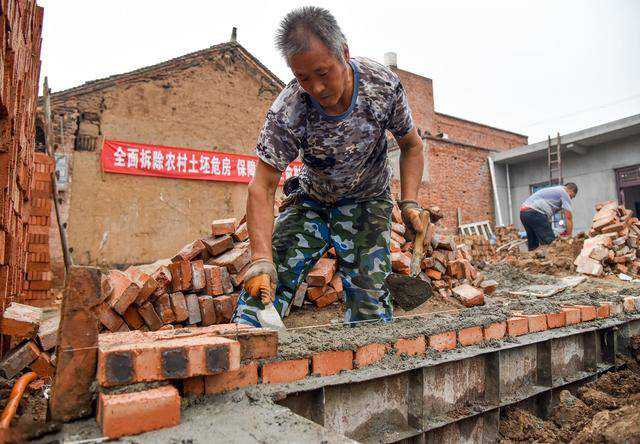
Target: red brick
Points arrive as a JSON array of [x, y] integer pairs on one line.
[[468, 295], [401, 263], [244, 376], [470, 335], [314, 293], [48, 332], [180, 276], [256, 343], [497, 330], [537, 322], [629, 304], [138, 412], [71, 392], [331, 362], [587, 312], [414, 346], [18, 358], [207, 310], [147, 284], [223, 226], [179, 306], [322, 272], [488, 286], [234, 260], [189, 252], [572, 315], [43, 366], [285, 371], [164, 310], [556, 320], [124, 291], [162, 276], [133, 357], [20, 320], [369, 354], [602, 311], [336, 283], [242, 233], [150, 317], [224, 308], [327, 298], [443, 341], [615, 309], [198, 280], [132, 318], [433, 274], [193, 386], [218, 245], [517, 326], [213, 280], [108, 317]]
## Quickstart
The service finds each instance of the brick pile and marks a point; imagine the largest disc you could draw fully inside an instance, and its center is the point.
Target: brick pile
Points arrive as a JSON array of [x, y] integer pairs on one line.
[[21, 27], [34, 338], [614, 245], [478, 246], [506, 234], [447, 267], [38, 282], [199, 287]]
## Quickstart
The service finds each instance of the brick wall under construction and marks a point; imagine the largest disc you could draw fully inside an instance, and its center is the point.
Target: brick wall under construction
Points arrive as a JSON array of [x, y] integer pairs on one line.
[[20, 42]]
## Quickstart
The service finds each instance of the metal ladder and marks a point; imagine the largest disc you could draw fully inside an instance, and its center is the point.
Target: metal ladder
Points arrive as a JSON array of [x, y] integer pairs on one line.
[[554, 162]]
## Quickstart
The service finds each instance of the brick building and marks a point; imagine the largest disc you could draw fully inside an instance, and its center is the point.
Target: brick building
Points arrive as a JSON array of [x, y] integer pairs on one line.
[[456, 168], [216, 99]]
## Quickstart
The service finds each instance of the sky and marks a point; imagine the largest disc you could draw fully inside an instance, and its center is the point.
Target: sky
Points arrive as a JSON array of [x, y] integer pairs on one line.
[[532, 67]]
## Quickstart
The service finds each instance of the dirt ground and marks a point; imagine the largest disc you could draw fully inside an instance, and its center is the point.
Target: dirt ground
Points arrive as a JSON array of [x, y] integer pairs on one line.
[[603, 411]]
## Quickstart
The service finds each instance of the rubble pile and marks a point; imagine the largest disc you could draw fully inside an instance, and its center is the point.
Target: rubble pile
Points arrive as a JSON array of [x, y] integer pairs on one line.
[[613, 246], [447, 267], [558, 257], [33, 339]]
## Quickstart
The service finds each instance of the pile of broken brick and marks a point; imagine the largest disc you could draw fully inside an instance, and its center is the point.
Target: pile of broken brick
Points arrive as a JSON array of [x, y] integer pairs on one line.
[[614, 243], [199, 287], [446, 265], [33, 341]]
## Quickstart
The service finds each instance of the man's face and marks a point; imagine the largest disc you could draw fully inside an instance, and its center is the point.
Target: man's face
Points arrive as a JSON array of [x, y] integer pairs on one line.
[[571, 193], [322, 75]]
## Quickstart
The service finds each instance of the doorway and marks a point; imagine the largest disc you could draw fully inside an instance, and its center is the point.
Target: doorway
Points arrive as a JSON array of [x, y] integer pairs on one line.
[[628, 183]]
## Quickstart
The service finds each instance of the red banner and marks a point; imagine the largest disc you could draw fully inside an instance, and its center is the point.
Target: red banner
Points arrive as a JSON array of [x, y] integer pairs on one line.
[[181, 163]]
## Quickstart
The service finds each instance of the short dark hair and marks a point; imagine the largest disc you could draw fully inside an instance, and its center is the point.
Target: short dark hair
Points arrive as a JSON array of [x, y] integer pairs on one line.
[[572, 186], [298, 25]]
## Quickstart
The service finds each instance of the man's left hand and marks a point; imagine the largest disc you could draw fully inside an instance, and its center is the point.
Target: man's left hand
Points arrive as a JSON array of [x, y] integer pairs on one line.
[[410, 211]]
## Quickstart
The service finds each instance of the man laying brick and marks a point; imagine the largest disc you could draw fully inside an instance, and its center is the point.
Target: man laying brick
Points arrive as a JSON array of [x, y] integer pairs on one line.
[[539, 208], [334, 115]]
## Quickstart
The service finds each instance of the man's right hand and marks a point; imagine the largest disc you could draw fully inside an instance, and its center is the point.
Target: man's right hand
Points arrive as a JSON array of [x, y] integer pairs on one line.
[[260, 280]]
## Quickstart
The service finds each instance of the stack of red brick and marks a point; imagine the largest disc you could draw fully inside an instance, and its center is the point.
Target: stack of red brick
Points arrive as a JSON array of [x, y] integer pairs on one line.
[[34, 340], [614, 245], [21, 27], [447, 267], [37, 285], [198, 287]]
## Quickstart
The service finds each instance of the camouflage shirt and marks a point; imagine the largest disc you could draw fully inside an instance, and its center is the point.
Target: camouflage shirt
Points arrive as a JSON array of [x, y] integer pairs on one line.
[[344, 155]]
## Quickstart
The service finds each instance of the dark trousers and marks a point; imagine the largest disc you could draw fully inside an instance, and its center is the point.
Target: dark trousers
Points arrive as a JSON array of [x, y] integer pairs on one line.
[[538, 228]]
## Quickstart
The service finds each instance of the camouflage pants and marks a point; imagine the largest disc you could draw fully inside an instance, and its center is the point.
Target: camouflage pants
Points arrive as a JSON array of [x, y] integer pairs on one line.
[[360, 231]]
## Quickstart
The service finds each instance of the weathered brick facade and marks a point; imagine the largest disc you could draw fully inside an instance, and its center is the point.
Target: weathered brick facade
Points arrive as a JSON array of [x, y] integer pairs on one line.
[[214, 99]]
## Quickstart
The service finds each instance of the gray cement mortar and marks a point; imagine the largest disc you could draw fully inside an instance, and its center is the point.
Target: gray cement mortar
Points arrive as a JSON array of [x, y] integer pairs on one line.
[[306, 341]]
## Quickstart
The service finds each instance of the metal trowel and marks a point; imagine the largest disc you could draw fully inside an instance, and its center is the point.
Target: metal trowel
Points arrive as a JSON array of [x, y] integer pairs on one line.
[[410, 291], [269, 316]]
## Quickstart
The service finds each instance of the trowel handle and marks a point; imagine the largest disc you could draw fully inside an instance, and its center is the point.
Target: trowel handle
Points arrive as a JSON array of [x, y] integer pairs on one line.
[[418, 246]]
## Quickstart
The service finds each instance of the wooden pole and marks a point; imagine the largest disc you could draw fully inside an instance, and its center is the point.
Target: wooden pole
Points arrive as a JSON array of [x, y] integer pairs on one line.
[[68, 262]]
